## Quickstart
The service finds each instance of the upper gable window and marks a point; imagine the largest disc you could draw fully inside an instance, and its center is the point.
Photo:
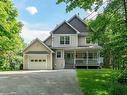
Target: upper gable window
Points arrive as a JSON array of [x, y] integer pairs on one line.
[[64, 39]]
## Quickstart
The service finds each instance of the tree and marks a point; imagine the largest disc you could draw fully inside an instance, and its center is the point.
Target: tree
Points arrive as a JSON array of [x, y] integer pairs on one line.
[[84, 4], [10, 41]]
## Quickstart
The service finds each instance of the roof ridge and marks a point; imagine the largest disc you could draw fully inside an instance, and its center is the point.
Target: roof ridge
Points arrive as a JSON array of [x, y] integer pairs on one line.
[[76, 17]]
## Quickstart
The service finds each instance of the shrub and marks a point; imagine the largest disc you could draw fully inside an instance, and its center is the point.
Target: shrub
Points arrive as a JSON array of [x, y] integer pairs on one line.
[[118, 89]]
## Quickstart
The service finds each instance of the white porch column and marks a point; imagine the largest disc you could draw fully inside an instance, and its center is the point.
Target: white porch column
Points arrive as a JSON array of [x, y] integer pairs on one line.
[[63, 55], [28, 61], [74, 58], [24, 61], [99, 57], [87, 58], [51, 60], [47, 61]]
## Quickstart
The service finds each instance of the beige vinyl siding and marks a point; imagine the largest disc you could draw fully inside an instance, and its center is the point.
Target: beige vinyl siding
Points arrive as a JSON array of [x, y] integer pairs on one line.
[[49, 62], [36, 46], [59, 63], [25, 62]]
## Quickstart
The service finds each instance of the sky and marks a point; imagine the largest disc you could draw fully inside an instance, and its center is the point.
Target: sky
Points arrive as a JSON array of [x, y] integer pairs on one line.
[[39, 17]]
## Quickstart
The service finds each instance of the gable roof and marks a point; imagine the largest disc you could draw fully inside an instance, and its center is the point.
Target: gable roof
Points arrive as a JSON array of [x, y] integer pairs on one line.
[[47, 38], [78, 24], [77, 17], [65, 23], [32, 42]]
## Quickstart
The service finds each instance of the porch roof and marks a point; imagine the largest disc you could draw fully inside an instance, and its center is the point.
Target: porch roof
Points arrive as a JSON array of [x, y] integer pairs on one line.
[[79, 48], [37, 52]]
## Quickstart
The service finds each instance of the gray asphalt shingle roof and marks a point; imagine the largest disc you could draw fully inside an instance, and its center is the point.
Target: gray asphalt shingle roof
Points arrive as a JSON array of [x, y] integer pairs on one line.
[[37, 52]]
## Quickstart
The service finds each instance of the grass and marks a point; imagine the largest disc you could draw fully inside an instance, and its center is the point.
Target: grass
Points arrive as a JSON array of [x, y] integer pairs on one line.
[[97, 81]]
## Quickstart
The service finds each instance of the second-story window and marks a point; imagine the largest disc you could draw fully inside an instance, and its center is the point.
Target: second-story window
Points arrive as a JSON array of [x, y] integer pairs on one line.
[[64, 40], [61, 39], [88, 40]]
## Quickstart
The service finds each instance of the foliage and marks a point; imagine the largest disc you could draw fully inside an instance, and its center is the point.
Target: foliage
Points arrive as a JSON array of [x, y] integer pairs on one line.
[[122, 78], [11, 44], [118, 89], [100, 82], [111, 33], [84, 4]]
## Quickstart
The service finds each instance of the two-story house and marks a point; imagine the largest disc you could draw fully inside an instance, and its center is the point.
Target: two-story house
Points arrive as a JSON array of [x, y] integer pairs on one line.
[[68, 46]]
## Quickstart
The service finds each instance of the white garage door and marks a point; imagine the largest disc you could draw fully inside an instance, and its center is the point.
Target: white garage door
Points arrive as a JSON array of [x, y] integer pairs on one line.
[[37, 62]]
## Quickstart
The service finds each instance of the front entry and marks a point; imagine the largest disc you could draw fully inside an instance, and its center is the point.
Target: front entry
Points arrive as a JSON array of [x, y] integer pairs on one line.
[[69, 59]]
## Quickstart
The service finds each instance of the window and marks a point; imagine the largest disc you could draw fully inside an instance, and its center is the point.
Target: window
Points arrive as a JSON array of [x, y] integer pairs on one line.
[[88, 40], [94, 55], [81, 55], [67, 40], [32, 60], [40, 60], [90, 55], [44, 60], [64, 40], [58, 54], [36, 60]]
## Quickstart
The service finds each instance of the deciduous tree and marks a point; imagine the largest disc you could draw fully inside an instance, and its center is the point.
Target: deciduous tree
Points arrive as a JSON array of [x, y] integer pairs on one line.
[[10, 41]]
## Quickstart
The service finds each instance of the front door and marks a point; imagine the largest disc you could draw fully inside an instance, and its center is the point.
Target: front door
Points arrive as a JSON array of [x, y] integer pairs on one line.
[[69, 59]]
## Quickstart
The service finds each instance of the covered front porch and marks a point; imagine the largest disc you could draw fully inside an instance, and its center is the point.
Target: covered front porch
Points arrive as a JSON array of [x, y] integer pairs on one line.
[[76, 58]]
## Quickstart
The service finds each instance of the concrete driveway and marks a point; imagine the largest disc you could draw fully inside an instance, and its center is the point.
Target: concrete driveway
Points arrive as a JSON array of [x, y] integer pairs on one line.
[[50, 82]]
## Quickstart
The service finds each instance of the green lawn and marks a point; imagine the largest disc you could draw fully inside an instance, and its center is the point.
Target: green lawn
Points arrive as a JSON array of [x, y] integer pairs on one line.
[[98, 82]]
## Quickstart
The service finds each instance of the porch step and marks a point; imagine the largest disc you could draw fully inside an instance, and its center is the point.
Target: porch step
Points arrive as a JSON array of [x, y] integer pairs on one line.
[[69, 66]]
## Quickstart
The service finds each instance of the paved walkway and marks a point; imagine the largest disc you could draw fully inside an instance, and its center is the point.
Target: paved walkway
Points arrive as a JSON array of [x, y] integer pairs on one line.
[[44, 82]]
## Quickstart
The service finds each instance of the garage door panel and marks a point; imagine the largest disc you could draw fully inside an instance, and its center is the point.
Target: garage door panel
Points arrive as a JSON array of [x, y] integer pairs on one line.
[[39, 62]]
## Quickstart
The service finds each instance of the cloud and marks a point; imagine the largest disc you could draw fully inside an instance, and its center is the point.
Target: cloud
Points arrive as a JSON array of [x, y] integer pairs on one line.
[[29, 32], [32, 10]]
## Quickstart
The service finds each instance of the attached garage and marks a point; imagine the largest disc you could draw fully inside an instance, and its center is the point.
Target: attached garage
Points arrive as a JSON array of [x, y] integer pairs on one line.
[[37, 56], [37, 60]]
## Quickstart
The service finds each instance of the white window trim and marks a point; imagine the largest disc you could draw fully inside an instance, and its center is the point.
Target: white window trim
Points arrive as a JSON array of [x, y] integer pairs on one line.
[[65, 40], [56, 55]]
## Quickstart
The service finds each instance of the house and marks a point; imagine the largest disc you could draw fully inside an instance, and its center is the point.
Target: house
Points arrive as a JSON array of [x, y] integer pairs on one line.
[[68, 46]]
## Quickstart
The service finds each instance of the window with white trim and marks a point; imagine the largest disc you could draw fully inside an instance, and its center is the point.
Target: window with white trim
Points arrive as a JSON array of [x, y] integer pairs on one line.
[[58, 54], [64, 40], [88, 40]]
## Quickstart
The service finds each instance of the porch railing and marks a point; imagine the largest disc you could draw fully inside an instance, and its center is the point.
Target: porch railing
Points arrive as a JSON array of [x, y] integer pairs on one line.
[[85, 62]]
